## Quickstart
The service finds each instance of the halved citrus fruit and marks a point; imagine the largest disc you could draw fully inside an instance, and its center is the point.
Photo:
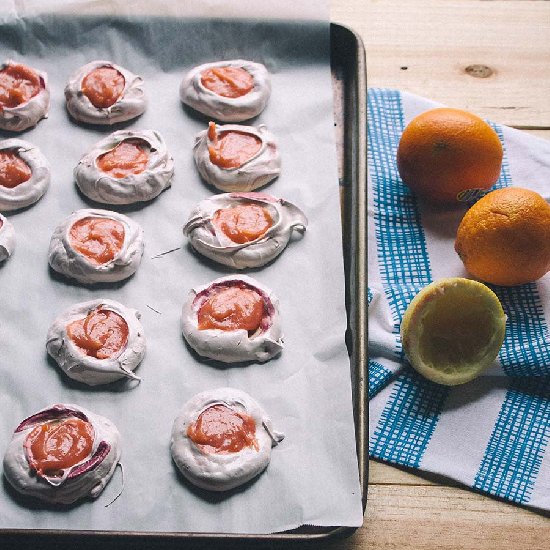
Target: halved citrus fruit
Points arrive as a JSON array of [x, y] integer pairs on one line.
[[453, 330]]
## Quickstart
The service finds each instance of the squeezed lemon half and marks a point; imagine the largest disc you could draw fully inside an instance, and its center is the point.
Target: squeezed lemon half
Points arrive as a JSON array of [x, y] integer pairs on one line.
[[453, 330]]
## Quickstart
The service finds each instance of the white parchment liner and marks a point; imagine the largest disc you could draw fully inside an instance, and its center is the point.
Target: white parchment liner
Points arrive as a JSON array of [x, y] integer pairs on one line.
[[313, 477]]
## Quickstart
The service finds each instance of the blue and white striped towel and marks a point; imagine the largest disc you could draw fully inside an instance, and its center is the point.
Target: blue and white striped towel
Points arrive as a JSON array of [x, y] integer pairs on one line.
[[493, 433]]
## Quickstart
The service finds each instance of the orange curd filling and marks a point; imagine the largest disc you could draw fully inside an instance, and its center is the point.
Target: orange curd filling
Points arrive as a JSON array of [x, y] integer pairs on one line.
[[103, 86], [128, 157], [101, 334], [13, 169], [232, 308], [227, 81], [221, 429], [57, 445], [18, 84], [99, 239], [243, 223], [231, 149]]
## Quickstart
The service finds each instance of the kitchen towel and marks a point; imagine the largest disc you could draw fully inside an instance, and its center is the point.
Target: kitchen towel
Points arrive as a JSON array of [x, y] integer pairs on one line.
[[491, 434]]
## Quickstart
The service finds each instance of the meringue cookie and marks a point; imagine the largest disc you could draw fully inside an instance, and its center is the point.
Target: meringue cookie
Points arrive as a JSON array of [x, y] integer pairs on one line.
[[76, 364], [7, 238], [129, 105], [210, 240], [231, 346], [64, 259], [28, 113], [105, 188], [227, 109], [256, 172], [30, 191], [87, 478], [221, 471]]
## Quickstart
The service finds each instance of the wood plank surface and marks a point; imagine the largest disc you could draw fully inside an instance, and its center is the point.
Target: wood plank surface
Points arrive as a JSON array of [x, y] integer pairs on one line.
[[430, 517], [426, 46]]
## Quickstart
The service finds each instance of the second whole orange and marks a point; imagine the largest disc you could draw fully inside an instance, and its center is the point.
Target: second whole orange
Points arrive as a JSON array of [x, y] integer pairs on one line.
[[504, 238], [448, 156]]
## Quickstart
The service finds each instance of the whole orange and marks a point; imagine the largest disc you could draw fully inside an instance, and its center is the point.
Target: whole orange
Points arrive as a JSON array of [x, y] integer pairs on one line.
[[448, 155], [504, 238]]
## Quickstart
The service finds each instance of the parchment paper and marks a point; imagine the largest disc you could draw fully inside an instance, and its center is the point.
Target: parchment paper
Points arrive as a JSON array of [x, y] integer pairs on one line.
[[313, 476]]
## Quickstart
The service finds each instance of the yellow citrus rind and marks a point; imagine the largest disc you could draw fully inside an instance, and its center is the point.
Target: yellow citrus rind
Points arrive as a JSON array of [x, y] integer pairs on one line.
[[453, 330]]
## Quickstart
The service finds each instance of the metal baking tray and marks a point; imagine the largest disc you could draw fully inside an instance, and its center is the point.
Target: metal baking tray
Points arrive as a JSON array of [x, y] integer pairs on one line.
[[349, 87]]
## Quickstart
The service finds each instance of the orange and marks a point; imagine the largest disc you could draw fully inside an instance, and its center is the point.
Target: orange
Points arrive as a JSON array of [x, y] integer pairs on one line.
[[504, 238], [447, 156]]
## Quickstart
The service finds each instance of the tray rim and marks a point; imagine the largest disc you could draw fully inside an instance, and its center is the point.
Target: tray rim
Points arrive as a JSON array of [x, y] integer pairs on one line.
[[357, 320]]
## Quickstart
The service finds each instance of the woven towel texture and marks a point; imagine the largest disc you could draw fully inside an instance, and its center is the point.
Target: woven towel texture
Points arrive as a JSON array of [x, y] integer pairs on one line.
[[493, 433]]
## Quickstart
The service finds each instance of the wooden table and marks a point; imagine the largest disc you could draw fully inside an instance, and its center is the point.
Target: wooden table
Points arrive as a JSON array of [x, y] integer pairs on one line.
[[491, 58]]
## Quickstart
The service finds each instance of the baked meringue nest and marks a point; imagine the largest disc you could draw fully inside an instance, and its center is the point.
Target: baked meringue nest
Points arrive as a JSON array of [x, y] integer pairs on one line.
[[88, 369], [88, 478], [64, 259], [255, 172], [27, 114], [35, 187], [209, 240], [7, 238], [129, 105], [217, 471], [227, 109], [233, 346], [104, 188]]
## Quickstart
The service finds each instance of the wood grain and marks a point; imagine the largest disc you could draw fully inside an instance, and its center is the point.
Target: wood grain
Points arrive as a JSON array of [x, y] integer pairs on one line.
[[442, 517], [425, 46], [415, 510]]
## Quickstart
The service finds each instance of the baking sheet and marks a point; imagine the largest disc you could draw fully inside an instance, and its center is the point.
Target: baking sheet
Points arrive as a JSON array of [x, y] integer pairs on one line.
[[313, 477]]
